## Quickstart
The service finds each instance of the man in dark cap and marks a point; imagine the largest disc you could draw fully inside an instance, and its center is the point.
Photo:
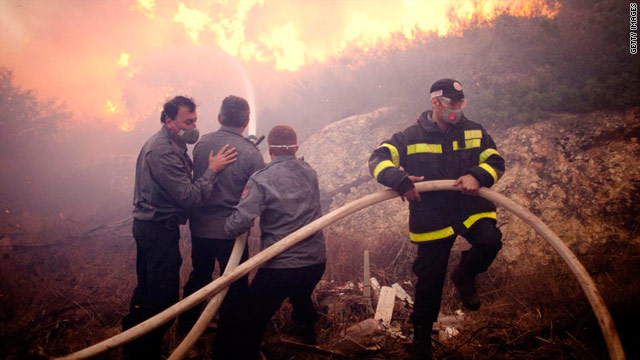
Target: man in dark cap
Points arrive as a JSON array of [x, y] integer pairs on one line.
[[443, 144]]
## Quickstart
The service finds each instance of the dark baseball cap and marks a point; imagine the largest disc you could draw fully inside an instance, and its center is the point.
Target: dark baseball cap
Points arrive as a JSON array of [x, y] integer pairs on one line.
[[448, 88]]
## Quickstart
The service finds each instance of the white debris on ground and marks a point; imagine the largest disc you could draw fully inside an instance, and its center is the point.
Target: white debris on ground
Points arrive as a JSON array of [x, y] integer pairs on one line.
[[402, 295], [351, 301], [447, 324]]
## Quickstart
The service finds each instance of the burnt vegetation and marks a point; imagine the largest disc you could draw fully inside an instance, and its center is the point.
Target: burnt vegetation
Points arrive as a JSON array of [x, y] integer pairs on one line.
[[67, 259]]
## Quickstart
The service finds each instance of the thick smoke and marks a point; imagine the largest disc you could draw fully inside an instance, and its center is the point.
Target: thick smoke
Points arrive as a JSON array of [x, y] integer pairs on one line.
[[206, 74]]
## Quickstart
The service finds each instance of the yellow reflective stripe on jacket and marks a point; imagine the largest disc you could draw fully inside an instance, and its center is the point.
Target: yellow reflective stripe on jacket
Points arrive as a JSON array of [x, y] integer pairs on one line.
[[468, 144], [395, 155], [472, 143], [381, 166], [486, 154], [490, 170], [475, 217], [432, 235], [424, 148], [472, 134]]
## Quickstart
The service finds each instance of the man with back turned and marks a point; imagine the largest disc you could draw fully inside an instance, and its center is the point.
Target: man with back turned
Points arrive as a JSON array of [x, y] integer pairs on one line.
[[209, 241], [286, 197]]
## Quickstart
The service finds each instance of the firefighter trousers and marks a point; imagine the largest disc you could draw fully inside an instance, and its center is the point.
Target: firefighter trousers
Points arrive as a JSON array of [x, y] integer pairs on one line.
[[241, 339], [204, 253], [158, 263], [430, 266]]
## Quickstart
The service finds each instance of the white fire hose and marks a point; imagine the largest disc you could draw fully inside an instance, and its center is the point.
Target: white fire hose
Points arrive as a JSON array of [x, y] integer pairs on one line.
[[214, 304], [588, 286]]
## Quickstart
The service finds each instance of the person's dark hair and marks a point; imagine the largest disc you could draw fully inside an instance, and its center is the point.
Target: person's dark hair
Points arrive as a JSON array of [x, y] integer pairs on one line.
[[234, 111], [285, 138], [170, 108]]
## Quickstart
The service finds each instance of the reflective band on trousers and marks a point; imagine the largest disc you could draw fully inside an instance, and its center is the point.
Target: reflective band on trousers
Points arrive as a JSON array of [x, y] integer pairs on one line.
[[490, 170], [475, 217], [487, 154], [448, 231], [381, 166], [424, 148], [395, 155], [432, 235]]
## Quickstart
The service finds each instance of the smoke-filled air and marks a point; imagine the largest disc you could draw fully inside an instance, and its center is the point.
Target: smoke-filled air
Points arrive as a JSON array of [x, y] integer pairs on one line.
[[375, 95]]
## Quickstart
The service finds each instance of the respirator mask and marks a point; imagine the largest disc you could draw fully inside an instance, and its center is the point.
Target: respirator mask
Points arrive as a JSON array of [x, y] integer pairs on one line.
[[188, 136], [452, 112]]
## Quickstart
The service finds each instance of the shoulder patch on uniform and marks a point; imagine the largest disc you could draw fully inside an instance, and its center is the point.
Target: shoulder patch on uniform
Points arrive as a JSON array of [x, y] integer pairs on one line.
[[244, 192]]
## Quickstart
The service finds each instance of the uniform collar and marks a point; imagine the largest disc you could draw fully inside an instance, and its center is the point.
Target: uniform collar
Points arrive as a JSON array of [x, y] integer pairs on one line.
[[426, 122], [281, 158], [230, 129]]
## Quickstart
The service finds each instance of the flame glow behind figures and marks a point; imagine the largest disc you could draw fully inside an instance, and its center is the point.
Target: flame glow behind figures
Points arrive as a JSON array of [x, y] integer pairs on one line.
[[118, 60]]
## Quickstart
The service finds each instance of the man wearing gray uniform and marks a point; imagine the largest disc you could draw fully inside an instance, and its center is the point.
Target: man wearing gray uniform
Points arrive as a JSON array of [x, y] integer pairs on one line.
[[285, 195], [163, 196], [208, 239]]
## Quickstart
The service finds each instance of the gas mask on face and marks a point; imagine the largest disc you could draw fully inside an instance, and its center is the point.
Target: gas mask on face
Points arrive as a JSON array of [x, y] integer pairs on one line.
[[452, 116], [188, 136], [448, 114]]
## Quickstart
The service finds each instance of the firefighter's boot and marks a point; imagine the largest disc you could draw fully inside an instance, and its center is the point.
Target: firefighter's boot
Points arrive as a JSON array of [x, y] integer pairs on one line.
[[465, 283], [422, 343]]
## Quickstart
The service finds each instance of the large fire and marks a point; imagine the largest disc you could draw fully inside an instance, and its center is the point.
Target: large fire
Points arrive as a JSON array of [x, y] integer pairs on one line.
[[293, 42], [75, 61]]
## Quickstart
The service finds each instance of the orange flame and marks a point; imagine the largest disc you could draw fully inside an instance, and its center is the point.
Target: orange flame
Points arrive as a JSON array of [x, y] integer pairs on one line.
[[124, 59], [115, 112], [126, 126], [110, 108], [90, 72], [194, 21], [145, 6], [292, 44]]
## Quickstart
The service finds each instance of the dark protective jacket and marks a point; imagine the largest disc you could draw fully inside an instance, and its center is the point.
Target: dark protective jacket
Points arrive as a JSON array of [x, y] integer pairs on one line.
[[286, 196], [207, 220], [164, 187], [425, 150]]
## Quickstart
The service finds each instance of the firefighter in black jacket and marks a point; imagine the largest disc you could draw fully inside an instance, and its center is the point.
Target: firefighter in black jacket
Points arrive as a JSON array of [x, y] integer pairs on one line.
[[443, 144]]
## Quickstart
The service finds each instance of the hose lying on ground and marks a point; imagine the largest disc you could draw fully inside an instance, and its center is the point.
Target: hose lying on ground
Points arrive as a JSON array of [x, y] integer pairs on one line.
[[588, 286]]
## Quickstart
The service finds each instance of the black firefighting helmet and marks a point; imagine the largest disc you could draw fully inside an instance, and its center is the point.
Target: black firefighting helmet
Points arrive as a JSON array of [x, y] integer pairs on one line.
[[448, 88]]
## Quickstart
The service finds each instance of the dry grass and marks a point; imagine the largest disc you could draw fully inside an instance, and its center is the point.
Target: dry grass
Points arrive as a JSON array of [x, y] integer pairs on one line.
[[63, 297]]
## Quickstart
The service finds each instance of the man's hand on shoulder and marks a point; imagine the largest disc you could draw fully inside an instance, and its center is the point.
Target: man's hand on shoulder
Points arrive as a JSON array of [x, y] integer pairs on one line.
[[223, 158], [468, 184], [413, 194]]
